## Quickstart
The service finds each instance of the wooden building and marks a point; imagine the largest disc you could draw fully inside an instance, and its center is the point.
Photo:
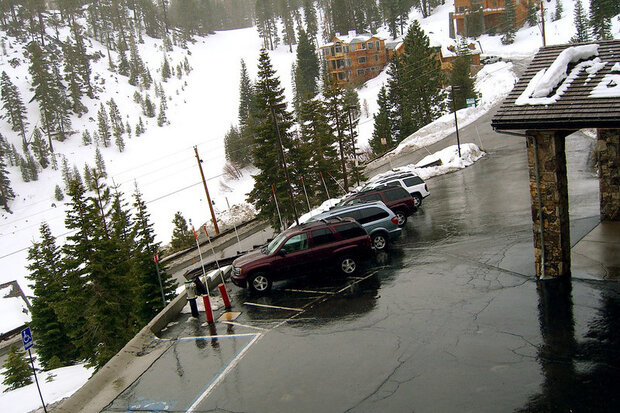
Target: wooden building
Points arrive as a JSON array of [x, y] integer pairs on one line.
[[492, 12]]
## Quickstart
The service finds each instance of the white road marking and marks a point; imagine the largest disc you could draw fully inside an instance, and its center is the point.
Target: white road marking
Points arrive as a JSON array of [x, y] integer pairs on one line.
[[273, 306]]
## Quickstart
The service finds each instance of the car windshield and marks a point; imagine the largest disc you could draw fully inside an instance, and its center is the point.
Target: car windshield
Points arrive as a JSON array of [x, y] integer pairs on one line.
[[273, 245]]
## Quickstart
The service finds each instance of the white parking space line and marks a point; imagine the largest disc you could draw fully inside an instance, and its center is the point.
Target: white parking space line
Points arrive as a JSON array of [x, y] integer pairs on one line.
[[309, 291], [232, 323], [357, 280], [273, 306]]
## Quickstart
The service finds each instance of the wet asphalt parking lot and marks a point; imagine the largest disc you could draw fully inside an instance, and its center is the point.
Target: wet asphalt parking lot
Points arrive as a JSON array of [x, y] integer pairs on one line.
[[450, 319]]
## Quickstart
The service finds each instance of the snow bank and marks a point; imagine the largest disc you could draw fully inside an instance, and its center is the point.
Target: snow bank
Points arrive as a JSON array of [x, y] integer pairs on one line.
[[14, 311]]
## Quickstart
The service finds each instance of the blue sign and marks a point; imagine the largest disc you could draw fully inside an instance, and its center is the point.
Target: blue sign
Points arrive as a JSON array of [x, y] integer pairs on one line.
[[27, 338]]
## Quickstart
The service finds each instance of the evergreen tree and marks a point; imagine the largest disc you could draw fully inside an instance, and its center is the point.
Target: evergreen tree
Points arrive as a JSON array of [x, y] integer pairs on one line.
[[601, 13], [461, 78], [415, 84], [58, 194], [86, 138], [306, 69], [148, 108], [103, 126], [246, 95], [88, 177], [46, 273], [14, 108], [165, 69], [237, 147], [40, 148], [286, 13], [272, 125], [322, 155], [532, 13], [66, 172], [144, 270], [182, 237], [383, 125], [116, 121], [161, 116], [100, 164], [582, 27], [6, 193], [338, 120], [509, 23], [31, 165], [310, 19], [559, 9], [24, 169], [73, 78], [18, 373]]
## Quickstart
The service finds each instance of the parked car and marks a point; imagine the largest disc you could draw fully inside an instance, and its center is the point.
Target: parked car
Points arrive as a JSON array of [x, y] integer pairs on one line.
[[376, 218], [303, 249], [411, 182], [394, 197]]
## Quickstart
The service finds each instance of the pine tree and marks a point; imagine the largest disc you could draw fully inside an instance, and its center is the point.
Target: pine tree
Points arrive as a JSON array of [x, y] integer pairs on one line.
[[310, 19], [559, 9], [46, 273], [286, 13], [100, 164], [322, 155], [148, 108], [306, 69], [14, 108], [165, 69], [246, 95], [415, 84], [509, 23], [383, 125], [582, 26], [40, 148], [31, 164], [128, 129], [182, 237], [161, 116], [532, 13], [116, 120], [601, 13], [237, 147], [66, 172], [103, 126], [269, 108], [145, 247], [88, 177], [73, 78], [18, 373], [58, 194], [86, 138], [6, 193], [338, 119], [461, 78], [24, 169]]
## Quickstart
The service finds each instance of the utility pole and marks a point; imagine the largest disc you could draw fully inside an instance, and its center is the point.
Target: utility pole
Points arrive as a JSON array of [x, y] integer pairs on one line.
[[456, 122], [542, 18], [288, 180], [357, 175], [204, 182]]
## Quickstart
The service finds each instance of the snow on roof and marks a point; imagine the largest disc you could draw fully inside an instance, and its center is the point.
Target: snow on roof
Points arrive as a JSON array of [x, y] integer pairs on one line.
[[353, 37], [555, 76], [608, 87], [14, 311]]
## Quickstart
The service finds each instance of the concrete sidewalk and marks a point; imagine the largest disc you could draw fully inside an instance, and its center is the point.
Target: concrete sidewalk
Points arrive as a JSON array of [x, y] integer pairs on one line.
[[596, 256]]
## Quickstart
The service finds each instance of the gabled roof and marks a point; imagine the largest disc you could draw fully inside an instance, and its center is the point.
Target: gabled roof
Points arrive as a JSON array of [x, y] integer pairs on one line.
[[566, 87], [352, 37]]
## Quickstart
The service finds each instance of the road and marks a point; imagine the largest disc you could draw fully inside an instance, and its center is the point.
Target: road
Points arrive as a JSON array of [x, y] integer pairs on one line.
[[449, 320]]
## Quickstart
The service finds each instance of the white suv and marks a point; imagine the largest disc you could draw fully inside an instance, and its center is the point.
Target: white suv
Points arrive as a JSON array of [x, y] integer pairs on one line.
[[412, 183]]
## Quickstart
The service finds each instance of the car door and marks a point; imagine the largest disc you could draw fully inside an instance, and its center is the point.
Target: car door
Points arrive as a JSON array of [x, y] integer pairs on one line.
[[293, 257], [323, 244]]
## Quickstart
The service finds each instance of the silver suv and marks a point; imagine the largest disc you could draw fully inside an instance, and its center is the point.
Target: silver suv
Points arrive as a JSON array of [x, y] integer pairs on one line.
[[412, 183], [377, 219]]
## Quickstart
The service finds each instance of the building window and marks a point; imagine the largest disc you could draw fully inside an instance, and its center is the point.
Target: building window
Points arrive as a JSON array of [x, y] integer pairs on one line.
[[338, 49], [347, 62], [360, 72], [371, 45], [378, 45], [326, 52], [341, 76], [334, 64], [340, 63], [363, 46], [346, 49], [352, 47], [376, 58], [361, 59]]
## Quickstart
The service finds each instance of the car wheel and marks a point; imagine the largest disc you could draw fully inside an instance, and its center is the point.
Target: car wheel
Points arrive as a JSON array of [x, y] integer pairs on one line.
[[379, 242], [347, 265], [260, 283], [417, 200], [402, 218]]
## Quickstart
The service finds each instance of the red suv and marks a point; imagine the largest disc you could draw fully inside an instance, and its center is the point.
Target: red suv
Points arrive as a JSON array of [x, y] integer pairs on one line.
[[394, 197], [303, 249]]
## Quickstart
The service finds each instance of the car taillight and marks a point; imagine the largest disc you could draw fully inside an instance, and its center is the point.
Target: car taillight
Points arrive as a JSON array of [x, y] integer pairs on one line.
[[395, 220]]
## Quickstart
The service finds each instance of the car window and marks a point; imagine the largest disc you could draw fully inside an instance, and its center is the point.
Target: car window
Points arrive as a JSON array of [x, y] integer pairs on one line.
[[350, 230], [349, 214], [296, 243], [372, 197], [416, 180], [395, 194], [371, 215], [275, 243], [322, 236]]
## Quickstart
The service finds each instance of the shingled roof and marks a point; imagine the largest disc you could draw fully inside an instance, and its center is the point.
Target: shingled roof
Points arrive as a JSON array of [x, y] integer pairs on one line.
[[566, 87]]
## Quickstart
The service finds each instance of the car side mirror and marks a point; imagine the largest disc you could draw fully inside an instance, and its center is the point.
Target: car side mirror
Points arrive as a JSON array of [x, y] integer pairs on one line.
[[282, 252]]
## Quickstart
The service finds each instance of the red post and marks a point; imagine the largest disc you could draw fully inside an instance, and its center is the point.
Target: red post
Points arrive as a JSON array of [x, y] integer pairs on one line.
[[208, 311], [224, 293]]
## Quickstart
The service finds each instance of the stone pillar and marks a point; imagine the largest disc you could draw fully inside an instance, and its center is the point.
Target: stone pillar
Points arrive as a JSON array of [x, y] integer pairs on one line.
[[553, 184], [608, 155]]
